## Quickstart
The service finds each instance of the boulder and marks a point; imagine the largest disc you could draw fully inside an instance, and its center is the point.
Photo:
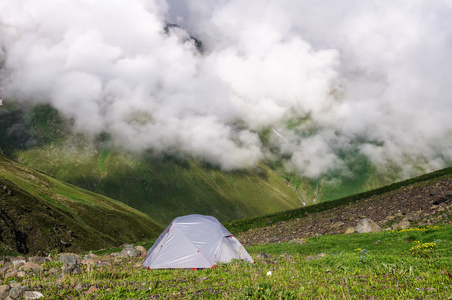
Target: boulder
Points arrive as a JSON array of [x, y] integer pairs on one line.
[[17, 292], [404, 224], [31, 266], [129, 251], [367, 225], [69, 259], [38, 259]]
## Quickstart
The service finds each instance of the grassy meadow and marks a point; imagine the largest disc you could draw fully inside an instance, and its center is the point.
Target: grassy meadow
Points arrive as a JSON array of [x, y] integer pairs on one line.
[[405, 264]]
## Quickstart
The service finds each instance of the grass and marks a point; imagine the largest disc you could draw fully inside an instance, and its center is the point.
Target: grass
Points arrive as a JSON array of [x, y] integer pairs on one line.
[[325, 267]]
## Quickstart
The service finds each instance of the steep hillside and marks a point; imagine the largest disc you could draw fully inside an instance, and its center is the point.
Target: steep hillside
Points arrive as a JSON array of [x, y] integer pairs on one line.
[[39, 213], [163, 187]]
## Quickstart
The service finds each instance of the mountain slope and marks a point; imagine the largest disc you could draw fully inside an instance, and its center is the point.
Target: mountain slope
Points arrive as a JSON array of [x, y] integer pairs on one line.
[[39, 213], [162, 186], [423, 200]]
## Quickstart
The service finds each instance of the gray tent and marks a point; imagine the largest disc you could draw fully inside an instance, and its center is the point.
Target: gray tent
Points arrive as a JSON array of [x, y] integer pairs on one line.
[[194, 241]]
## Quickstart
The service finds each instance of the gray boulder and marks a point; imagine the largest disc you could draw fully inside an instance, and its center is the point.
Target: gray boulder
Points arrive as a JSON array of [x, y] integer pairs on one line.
[[17, 292], [129, 251]]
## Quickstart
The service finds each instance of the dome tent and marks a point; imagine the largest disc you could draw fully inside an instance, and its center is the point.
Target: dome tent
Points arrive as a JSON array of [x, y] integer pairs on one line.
[[194, 241]]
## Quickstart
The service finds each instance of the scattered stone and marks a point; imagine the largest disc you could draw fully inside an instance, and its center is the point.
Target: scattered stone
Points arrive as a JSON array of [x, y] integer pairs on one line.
[[349, 230], [404, 224], [13, 284], [17, 292], [90, 256], [11, 274], [91, 290], [337, 225], [412, 217], [20, 274], [263, 255], [31, 266], [76, 271], [67, 269], [32, 295], [69, 259], [298, 241], [53, 270], [129, 251], [367, 225], [271, 239], [5, 268], [377, 242], [38, 259], [4, 289], [141, 249], [433, 192], [19, 262]]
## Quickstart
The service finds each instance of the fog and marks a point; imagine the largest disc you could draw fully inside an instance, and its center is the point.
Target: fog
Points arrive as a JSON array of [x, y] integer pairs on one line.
[[320, 78]]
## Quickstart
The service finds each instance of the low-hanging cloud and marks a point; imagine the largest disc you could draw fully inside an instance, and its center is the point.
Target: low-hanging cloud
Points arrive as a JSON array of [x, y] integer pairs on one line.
[[327, 77]]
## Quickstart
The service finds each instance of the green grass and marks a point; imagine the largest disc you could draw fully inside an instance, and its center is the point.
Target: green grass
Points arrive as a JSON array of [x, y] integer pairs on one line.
[[348, 267]]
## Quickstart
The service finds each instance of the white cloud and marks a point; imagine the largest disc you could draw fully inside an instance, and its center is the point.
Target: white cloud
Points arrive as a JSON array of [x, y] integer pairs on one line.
[[373, 77]]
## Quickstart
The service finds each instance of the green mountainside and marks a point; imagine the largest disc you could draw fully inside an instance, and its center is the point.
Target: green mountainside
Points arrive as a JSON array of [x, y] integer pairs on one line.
[[39, 214], [163, 187]]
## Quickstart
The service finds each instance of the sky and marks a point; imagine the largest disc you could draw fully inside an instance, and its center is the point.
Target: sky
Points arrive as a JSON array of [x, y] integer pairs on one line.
[[320, 78]]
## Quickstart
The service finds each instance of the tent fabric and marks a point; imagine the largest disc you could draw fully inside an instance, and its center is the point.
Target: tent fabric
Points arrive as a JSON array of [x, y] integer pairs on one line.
[[194, 241]]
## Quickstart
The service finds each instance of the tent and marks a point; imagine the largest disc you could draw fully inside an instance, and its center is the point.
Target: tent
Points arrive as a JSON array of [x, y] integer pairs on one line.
[[196, 242]]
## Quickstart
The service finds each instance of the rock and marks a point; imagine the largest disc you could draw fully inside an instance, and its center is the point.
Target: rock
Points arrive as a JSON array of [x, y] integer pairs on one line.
[[377, 242], [129, 251], [263, 255], [89, 256], [349, 230], [337, 224], [38, 259], [433, 192], [92, 289], [141, 249], [67, 269], [19, 262], [5, 268], [76, 271], [271, 239], [32, 295], [298, 241], [13, 284], [20, 274], [4, 290], [412, 217], [367, 225], [31, 266], [17, 292], [53, 270], [404, 224], [11, 274], [69, 259]]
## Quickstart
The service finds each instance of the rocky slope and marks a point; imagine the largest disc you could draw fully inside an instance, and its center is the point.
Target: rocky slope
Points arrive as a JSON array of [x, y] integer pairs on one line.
[[418, 204]]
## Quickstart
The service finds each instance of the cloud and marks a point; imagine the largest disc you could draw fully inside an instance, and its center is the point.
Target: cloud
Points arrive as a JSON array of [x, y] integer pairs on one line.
[[327, 77]]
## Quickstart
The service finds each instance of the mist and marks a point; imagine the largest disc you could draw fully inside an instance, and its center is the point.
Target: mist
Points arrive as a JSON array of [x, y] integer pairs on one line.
[[321, 78]]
